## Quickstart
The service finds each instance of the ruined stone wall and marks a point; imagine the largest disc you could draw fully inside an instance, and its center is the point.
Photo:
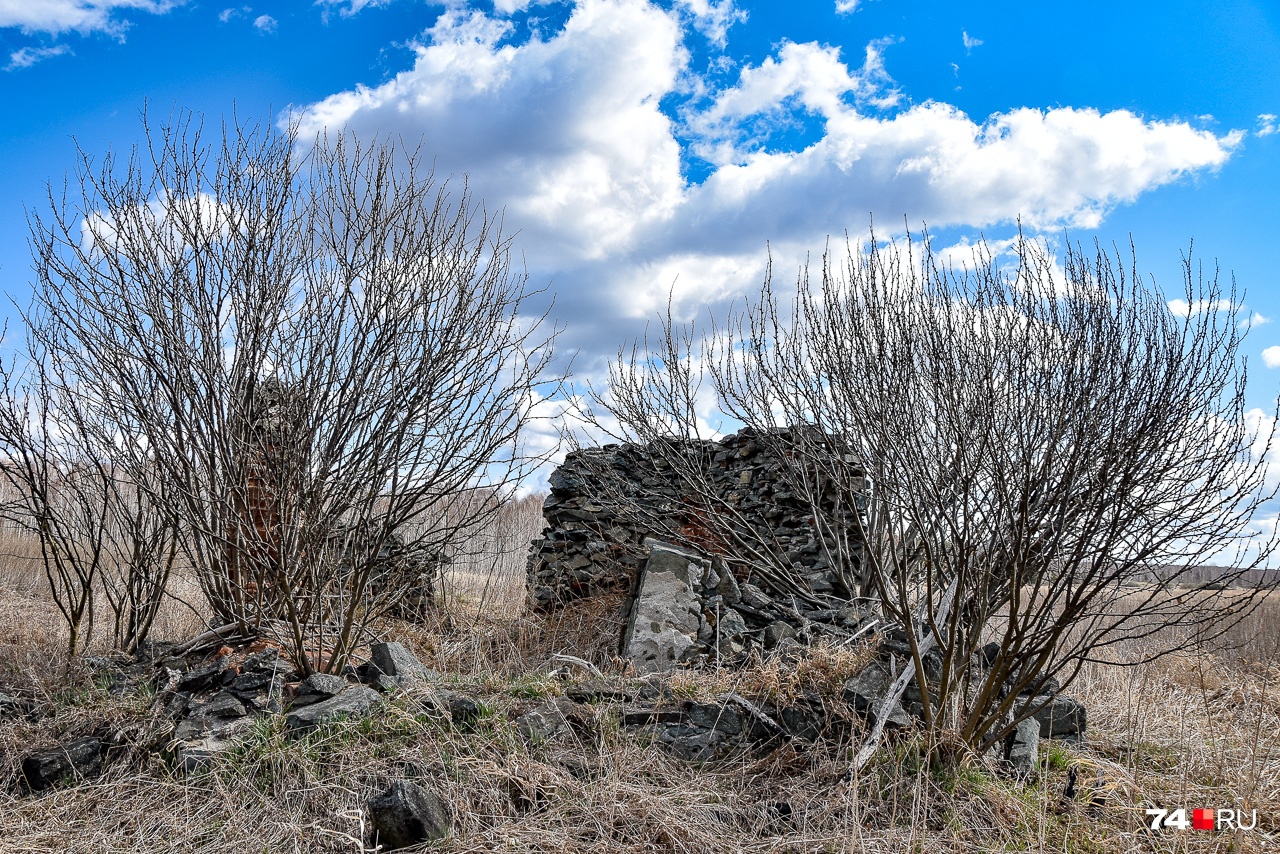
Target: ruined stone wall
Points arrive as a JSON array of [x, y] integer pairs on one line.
[[754, 527]]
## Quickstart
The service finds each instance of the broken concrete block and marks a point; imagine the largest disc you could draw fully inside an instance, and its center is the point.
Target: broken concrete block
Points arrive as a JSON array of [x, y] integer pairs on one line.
[[1024, 748], [666, 613]]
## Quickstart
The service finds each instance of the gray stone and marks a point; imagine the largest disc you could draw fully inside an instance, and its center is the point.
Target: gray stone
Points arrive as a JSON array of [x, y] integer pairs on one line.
[[1023, 750], [789, 648], [71, 762], [775, 633], [543, 722], [731, 626], [1063, 718], [356, 701], [464, 711], [728, 588], [663, 626], [201, 754], [318, 687], [397, 662], [867, 691], [691, 743], [724, 719], [755, 597], [220, 705], [407, 814], [202, 677]]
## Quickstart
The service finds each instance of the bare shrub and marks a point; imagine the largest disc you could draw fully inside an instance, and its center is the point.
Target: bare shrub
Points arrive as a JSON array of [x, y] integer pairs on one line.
[[316, 349], [989, 451]]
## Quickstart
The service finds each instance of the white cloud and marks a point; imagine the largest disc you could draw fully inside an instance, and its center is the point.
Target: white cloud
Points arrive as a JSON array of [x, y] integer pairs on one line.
[[565, 133], [233, 12], [713, 19], [1267, 124], [265, 23], [352, 7], [969, 42], [61, 16], [1271, 357], [1182, 308], [29, 56], [846, 7]]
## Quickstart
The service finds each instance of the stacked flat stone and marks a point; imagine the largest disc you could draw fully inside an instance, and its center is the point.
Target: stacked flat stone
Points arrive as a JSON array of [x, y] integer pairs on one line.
[[605, 502]]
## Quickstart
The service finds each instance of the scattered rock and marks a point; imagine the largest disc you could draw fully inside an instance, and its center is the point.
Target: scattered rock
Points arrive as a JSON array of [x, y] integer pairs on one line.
[[72, 762], [407, 814], [545, 721], [221, 705], [1023, 749], [775, 633], [197, 756], [1063, 718], [318, 687], [395, 662], [356, 701]]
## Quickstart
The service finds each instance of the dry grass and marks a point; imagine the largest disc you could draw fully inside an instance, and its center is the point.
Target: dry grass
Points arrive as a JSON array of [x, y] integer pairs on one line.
[[1194, 730]]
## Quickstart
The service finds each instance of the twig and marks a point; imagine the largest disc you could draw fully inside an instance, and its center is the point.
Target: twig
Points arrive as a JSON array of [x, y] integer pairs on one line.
[[218, 634], [560, 658]]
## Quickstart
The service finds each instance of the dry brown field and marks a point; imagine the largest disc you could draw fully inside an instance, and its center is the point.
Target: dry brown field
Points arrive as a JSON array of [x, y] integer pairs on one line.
[[1196, 729]]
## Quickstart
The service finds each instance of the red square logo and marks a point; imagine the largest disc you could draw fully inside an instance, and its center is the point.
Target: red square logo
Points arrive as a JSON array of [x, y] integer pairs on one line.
[[1202, 819]]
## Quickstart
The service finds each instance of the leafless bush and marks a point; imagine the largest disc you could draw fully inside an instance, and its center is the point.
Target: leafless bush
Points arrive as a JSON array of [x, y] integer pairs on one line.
[[989, 450], [315, 349]]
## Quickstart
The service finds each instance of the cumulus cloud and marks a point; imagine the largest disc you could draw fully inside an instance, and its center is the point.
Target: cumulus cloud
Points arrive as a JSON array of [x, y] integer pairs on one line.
[[265, 23], [1271, 357], [29, 56], [567, 133], [846, 7], [1267, 124], [60, 16], [232, 12], [969, 41]]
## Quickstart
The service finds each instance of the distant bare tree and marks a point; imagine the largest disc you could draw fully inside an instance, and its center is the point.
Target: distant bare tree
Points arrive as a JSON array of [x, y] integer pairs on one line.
[[1023, 446], [315, 348]]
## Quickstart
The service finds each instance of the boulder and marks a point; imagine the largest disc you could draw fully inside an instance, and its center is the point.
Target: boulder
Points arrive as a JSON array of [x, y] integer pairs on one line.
[[394, 661], [70, 762], [407, 814], [1062, 718]]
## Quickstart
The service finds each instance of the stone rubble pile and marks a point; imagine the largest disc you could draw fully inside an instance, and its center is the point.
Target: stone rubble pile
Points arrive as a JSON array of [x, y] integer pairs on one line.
[[211, 703], [605, 503]]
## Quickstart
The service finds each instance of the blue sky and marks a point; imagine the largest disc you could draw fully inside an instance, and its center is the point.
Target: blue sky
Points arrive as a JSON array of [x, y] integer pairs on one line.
[[640, 144]]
